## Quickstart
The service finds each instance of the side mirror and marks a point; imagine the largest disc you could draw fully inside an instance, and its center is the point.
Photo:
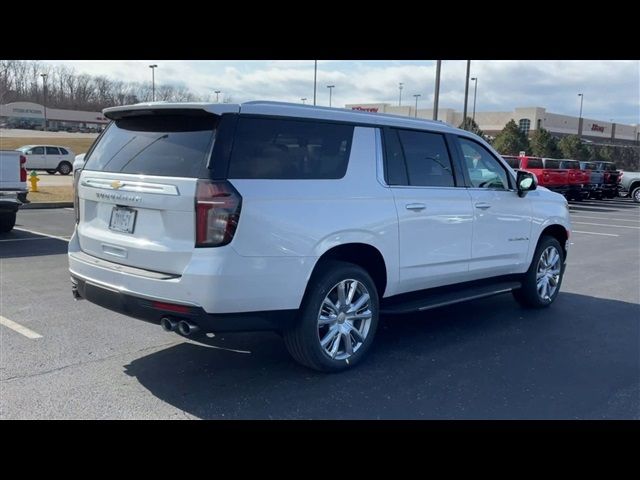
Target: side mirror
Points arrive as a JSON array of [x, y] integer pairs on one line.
[[525, 182]]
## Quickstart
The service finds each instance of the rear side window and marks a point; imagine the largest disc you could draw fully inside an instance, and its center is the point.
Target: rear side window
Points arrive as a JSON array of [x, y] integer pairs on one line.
[[37, 151], [514, 162], [552, 164], [266, 148], [570, 165], [63, 151], [161, 144], [534, 163], [53, 151], [427, 159]]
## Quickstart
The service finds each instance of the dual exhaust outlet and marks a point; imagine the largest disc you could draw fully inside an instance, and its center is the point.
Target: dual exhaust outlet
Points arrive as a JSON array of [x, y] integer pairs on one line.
[[183, 327]]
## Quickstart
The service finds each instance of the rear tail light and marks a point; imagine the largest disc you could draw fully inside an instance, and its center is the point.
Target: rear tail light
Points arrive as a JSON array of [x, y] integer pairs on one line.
[[218, 207], [23, 170], [76, 198]]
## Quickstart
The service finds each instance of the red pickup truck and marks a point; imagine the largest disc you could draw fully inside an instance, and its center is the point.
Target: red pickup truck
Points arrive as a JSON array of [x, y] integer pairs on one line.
[[546, 171]]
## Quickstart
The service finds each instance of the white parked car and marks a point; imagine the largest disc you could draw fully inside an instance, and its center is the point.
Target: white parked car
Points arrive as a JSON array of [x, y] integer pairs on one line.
[[306, 220], [51, 158]]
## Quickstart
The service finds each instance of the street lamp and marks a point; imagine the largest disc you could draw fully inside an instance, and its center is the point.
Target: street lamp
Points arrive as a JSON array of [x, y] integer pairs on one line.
[[581, 95], [475, 91], [315, 80], [466, 95], [44, 101], [217, 92], [417, 95], [153, 82], [303, 100], [330, 87], [400, 97]]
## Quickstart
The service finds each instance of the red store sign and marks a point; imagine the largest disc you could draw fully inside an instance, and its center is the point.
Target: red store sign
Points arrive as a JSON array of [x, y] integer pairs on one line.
[[597, 128]]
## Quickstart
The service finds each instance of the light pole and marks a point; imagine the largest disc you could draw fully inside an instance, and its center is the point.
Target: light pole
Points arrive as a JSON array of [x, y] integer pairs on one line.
[[400, 96], [44, 101], [436, 95], [466, 96], [217, 92], [475, 91], [417, 95], [581, 95], [153, 82], [315, 80], [303, 100], [330, 87]]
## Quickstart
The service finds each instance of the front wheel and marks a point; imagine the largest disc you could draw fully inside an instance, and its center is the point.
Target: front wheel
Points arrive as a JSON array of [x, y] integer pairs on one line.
[[635, 195], [541, 283], [51, 172], [338, 318]]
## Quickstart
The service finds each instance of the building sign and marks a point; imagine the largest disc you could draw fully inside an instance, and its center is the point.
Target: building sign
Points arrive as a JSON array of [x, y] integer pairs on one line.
[[597, 128], [26, 110], [366, 109]]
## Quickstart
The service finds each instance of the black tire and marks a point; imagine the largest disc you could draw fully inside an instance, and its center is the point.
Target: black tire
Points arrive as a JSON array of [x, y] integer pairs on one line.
[[52, 172], [7, 221], [528, 296], [635, 195], [65, 168], [303, 340]]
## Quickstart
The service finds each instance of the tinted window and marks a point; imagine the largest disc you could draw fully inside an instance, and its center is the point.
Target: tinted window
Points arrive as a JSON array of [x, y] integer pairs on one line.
[[52, 151], [37, 151], [427, 159], [63, 151], [514, 162], [396, 172], [552, 164], [485, 171], [289, 149], [571, 165], [172, 145], [534, 163]]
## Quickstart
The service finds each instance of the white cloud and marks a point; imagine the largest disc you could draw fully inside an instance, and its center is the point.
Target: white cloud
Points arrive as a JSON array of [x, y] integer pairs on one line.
[[611, 88]]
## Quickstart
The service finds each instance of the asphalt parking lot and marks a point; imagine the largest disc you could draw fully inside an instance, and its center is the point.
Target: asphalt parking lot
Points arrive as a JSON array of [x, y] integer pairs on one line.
[[488, 359]]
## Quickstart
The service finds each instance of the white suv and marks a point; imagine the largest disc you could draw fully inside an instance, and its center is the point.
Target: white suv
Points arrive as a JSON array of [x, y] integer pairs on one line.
[[51, 158], [306, 220]]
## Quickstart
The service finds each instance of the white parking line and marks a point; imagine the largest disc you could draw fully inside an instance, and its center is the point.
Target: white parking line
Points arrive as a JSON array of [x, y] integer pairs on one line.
[[606, 225], [66, 239], [616, 219], [20, 239], [19, 328], [596, 233]]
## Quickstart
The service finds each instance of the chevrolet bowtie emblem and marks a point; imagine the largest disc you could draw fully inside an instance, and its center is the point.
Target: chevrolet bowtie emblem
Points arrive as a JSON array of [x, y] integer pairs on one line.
[[116, 184]]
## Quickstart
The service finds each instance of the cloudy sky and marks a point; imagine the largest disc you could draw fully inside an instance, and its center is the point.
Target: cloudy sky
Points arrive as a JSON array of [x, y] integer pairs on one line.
[[611, 88]]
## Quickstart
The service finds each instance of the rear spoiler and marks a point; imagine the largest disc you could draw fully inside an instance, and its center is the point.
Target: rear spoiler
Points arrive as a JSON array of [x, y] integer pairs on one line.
[[165, 108]]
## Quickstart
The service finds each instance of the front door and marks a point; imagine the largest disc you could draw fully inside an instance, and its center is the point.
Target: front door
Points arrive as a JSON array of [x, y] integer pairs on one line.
[[501, 219], [53, 157]]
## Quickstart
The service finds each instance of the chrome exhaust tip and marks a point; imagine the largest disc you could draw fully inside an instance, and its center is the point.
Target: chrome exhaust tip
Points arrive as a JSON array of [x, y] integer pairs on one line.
[[168, 324], [187, 328]]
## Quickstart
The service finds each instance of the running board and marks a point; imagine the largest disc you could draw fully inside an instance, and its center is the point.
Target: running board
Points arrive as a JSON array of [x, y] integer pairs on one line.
[[440, 297]]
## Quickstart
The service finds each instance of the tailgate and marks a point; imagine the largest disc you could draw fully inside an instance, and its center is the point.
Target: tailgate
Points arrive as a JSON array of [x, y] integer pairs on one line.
[[136, 193], [10, 171]]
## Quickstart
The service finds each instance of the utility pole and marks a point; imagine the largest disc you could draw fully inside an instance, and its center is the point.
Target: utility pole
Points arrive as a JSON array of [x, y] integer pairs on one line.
[[315, 80], [437, 92], [466, 96], [153, 82], [416, 112], [44, 101]]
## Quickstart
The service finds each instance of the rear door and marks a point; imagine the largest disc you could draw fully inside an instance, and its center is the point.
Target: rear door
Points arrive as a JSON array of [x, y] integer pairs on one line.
[[137, 189], [53, 157], [434, 211], [502, 220]]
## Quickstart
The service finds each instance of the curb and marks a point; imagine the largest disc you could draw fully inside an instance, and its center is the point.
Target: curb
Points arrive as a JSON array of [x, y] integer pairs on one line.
[[34, 205]]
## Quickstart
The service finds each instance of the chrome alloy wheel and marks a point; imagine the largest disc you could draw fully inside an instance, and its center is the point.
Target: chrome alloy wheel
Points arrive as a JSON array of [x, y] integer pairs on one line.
[[344, 319], [636, 194], [548, 273]]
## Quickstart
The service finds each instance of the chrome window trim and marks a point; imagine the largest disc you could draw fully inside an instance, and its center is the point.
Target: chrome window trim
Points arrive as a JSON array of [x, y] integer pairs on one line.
[[130, 186]]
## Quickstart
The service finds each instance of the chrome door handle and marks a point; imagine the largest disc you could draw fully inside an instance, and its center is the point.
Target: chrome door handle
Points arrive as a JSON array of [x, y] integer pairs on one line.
[[415, 206], [483, 205]]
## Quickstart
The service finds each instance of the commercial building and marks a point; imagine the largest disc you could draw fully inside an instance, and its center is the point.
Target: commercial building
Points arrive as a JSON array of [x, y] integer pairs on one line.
[[527, 118], [32, 116]]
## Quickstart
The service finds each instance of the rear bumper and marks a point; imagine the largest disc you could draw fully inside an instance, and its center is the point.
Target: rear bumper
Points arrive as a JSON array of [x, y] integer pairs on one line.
[[145, 309]]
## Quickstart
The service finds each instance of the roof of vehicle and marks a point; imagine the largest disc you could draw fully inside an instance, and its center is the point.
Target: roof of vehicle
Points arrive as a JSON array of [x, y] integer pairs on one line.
[[284, 109], [45, 145]]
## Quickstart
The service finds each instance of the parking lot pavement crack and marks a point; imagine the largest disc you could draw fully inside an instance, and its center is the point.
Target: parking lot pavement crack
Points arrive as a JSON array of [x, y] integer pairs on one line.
[[97, 360]]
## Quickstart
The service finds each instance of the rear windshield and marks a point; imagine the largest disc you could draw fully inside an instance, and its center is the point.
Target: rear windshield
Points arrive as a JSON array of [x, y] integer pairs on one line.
[[514, 162], [551, 163], [169, 145], [571, 165], [267, 148], [534, 163]]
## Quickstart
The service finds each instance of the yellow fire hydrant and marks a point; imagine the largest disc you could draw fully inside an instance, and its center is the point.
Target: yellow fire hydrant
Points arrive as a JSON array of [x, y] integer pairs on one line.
[[33, 178]]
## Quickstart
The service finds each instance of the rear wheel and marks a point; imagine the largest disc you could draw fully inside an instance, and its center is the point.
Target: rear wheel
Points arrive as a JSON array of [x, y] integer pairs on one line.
[[541, 283], [64, 168], [7, 222], [338, 318], [51, 172]]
